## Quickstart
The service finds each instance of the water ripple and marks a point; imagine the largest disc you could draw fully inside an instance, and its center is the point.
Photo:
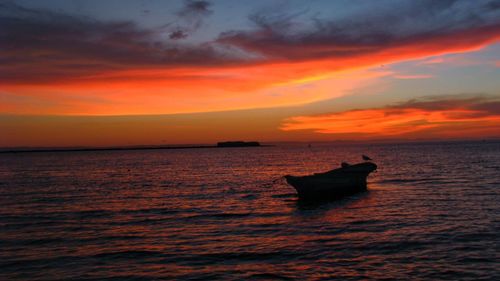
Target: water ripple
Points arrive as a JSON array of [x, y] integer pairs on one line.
[[431, 213]]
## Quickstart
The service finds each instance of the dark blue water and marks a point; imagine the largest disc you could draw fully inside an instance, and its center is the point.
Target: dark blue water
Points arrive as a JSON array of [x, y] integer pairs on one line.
[[432, 212]]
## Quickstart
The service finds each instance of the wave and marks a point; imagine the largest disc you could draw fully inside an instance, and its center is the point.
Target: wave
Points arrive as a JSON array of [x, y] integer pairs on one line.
[[285, 195], [413, 180], [207, 258], [218, 216], [269, 276], [130, 254]]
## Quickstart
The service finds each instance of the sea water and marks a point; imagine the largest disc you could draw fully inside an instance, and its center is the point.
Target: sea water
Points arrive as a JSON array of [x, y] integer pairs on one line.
[[431, 212]]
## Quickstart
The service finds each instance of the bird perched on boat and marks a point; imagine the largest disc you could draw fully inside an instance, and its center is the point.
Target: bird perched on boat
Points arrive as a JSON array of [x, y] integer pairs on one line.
[[366, 158]]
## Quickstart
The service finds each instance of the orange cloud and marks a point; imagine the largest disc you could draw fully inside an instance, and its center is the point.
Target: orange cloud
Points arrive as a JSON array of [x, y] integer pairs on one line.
[[183, 96], [445, 118], [200, 89], [81, 66]]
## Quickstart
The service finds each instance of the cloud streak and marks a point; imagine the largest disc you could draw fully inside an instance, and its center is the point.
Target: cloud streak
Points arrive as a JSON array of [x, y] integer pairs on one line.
[[428, 117]]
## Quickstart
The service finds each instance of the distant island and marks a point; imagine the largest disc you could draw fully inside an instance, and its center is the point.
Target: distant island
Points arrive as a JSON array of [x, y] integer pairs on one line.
[[237, 143]]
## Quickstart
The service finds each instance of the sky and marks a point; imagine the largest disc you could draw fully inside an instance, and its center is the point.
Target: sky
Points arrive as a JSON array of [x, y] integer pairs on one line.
[[123, 72]]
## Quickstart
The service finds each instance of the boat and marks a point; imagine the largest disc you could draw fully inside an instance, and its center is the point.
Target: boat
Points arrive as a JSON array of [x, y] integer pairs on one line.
[[347, 180]]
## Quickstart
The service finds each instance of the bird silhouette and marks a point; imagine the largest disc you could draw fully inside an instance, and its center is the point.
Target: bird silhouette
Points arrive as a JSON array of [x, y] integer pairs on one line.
[[366, 158]]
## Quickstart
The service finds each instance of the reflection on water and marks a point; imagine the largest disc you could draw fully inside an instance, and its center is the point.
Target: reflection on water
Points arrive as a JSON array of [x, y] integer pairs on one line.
[[431, 212]]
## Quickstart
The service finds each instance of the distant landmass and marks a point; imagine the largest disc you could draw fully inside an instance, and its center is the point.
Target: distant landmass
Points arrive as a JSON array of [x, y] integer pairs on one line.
[[139, 147], [237, 143]]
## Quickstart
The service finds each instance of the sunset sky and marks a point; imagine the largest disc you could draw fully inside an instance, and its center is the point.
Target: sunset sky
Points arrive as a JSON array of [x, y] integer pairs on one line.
[[123, 72]]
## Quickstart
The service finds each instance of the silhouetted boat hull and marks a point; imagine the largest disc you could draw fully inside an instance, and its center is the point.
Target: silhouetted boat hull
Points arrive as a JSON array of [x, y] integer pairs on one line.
[[332, 184]]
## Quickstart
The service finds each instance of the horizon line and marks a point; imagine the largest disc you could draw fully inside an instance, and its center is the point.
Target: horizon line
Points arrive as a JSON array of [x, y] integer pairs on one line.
[[35, 149]]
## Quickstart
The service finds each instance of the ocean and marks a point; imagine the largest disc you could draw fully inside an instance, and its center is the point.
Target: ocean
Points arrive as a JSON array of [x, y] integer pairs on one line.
[[431, 212]]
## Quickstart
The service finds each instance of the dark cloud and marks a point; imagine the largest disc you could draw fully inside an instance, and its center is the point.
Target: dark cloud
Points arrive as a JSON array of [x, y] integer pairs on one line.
[[191, 17], [473, 106], [195, 9], [492, 107], [481, 105], [435, 103], [478, 105], [39, 45], [367, 30], [177, 34], [494, 5]]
